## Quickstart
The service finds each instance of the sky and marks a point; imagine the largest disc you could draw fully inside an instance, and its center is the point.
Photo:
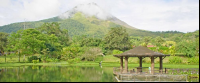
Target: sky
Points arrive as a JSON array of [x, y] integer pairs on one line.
[[152, 15]]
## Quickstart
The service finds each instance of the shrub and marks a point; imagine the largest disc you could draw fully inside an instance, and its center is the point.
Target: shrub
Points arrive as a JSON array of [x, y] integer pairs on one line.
[[117, 52], [35, 61], [70, 61], [49, 60], [77, 60], [31, 58], [193, 60], [59, 57], [99, 58], [175, 59], [91, 54], [108, 52]]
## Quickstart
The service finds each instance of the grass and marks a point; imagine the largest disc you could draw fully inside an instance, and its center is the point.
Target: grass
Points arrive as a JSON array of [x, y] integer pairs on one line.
[[108, 60]]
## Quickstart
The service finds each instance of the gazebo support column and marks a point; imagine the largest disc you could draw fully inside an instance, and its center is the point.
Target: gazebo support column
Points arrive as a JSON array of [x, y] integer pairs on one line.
[[161, 65], [121, 64], [140, 69], [152, 65], [126, 64]]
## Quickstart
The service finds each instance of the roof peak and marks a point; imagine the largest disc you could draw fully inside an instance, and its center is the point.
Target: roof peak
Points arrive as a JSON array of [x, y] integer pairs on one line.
[[141, 51]]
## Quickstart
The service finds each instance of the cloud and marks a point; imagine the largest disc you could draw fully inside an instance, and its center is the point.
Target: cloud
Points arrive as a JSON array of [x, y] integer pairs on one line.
[[40, 9], [89, 9], [159, 15]]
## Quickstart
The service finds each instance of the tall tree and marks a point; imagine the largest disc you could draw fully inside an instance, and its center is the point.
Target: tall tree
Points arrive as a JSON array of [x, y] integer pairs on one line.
[[3, 43], [54, 28], [33, 40], [117, 38], [146, 40], [187, 47], [28, 41], [15, 42], [159, 40]]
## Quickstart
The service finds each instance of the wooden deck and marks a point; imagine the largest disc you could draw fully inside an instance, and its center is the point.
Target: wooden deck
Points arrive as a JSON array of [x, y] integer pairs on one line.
[[165, 75], [150, 78], [117, 70]]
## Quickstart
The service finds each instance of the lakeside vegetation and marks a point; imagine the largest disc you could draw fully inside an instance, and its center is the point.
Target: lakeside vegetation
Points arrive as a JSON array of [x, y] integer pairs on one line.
[[49, 43]]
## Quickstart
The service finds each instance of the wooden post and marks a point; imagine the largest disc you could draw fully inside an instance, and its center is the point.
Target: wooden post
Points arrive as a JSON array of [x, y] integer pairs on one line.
[[161, 66], [24, 58], [121, 63], [140, 64], [5, 57], [126, 64], [152, 65]]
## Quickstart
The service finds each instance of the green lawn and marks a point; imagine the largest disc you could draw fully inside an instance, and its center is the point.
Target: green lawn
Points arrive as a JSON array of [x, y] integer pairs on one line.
[[108, 60]]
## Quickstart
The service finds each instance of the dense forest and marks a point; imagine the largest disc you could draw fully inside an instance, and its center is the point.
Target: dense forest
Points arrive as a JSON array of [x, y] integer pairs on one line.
[[49, 42]]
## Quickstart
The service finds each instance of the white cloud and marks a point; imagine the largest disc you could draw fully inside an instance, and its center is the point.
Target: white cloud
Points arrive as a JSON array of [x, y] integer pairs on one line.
[[89, 9], [40, 9], [157, 15]]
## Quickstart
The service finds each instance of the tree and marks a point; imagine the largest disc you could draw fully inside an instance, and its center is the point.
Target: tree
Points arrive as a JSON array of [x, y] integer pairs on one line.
[[54, 28], [33, 40], [3, 43], [15, 42], [146, 41], [172, 50], [135, 41], [187, 47], [117, 38], [92, 53], [197, 45], [169, 43], [29, 41], [159, 40]]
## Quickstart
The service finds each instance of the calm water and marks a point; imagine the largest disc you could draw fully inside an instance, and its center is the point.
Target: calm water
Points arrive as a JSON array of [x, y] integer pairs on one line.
[[56, 74], [59, 74]]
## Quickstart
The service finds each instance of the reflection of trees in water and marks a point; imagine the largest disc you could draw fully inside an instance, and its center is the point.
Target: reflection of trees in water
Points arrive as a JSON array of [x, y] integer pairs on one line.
[[54, 74]]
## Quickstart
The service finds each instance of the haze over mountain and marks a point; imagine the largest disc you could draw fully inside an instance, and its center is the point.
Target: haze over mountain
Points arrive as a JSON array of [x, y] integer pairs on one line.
[[92, 9], [84, 19]]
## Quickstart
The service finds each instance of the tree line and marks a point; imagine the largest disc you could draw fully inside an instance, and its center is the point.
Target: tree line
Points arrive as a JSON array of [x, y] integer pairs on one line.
[[51, 43]]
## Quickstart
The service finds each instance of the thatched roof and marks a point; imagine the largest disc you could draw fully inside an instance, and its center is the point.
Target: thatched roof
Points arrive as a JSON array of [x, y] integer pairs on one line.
[[140, 51]]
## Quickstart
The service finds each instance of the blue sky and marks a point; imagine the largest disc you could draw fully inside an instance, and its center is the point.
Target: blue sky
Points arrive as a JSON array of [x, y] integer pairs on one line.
[[153, 15]]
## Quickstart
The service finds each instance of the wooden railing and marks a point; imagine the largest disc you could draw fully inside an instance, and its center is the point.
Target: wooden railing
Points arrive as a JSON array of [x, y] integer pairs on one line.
[[151, 78], [145, 70], [139, 70], [181, 71]]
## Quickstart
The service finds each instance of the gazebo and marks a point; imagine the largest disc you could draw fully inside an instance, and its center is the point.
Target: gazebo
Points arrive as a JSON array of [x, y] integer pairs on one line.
[[141, 52]]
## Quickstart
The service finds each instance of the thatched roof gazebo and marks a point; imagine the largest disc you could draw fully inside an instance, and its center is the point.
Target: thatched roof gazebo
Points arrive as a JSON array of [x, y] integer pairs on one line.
[[141, 52]]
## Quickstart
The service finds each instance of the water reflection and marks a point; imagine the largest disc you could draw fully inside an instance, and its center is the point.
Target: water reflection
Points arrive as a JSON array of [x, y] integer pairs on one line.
[[55, 74], [59, 74]]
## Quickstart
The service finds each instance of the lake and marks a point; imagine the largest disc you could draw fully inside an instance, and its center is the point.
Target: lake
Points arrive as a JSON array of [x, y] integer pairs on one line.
[[58, 74]]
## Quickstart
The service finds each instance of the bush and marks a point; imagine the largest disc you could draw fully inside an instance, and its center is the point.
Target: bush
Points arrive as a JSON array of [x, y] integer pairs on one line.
[[77, 60], [193, 60], [70, 61], [99, 58], [161, 49], [117, 52], [109, 52], [31, 58], [35, 61], [175, 60], [59, 57], [91, 54]]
